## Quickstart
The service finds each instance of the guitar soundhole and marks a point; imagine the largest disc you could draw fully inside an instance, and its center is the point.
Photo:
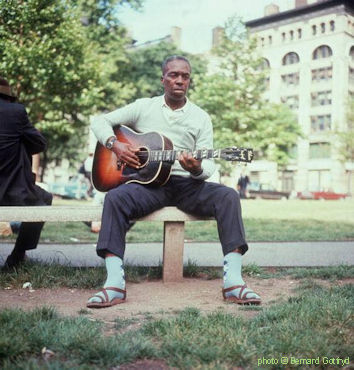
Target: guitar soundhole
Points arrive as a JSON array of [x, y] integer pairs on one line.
[[143, 155]]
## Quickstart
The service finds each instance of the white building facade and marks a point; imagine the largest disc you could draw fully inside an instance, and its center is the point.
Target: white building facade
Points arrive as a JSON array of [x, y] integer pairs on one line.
[[309, 51]]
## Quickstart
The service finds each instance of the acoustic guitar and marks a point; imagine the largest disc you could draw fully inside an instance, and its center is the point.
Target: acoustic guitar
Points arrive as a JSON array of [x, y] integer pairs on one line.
[[156, 156]]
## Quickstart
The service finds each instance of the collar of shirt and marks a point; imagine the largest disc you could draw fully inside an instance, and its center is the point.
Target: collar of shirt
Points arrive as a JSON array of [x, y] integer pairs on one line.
[[173, 115], [182, 109]]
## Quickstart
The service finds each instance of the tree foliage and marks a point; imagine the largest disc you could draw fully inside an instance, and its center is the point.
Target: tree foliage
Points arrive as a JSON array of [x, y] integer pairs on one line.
[[43, 53], [109, 43], [60, 56], [232, 95], [346, 138], [144, 68]]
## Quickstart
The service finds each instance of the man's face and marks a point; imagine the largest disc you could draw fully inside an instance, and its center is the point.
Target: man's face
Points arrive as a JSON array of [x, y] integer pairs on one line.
[[176, 79]]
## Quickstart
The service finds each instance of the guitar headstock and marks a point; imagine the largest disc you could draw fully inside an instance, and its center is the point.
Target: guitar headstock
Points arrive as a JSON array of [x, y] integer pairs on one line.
[[237, 154]]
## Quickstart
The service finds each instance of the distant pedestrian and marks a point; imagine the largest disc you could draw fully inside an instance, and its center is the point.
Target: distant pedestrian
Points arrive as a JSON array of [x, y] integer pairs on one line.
[[242, 184]]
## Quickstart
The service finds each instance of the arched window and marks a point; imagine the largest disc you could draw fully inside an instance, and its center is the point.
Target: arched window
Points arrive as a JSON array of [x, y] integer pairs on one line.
[[351, 53], [264, 64], [291, 58], [322, 51]]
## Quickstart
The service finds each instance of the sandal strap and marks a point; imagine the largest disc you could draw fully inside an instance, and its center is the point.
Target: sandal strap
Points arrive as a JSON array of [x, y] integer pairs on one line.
[[226, 290], [245, 294], [124, 292]]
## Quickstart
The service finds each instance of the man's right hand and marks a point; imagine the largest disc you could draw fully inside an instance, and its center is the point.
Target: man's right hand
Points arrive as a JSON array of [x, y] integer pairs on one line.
[[126, 153]]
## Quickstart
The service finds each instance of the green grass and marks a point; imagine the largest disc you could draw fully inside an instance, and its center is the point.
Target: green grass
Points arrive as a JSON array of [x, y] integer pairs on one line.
[[315, 324], [206, 231], [293, 328], [264, 220], [54, 275]]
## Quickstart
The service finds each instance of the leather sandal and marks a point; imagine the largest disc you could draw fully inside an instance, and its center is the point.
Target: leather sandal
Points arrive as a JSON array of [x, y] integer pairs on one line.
[[242, 295], [105, 302]]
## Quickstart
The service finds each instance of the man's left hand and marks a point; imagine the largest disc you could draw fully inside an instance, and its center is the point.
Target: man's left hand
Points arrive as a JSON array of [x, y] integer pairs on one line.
[[190, 164]]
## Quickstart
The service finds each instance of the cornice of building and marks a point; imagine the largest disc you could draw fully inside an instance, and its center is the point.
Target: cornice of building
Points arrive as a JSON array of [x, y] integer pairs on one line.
[[346, 5]]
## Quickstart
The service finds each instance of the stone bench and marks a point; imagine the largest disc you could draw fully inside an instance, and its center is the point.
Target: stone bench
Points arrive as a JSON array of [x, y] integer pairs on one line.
[[173, 219]]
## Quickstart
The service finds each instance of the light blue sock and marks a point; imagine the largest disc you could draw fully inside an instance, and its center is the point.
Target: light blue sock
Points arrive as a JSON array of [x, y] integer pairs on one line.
[[115, 272], [115, 278], [233, 276], [232, 270]]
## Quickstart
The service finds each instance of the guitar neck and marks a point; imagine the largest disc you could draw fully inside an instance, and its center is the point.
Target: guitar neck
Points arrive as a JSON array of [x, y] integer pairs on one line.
[[172, 155]]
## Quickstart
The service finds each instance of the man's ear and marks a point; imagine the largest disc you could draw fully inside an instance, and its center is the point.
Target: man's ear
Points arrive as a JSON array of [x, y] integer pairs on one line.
[[161, 79]]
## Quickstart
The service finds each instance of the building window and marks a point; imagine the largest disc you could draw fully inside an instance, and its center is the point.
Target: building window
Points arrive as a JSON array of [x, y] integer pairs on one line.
[[262, 41], [314, 29], [351, 53], [321, 98], [293, 152], [290, 58], [319, 180], [292, 101], [323, 27], [321, 123], [264, 66], [320, 150], [322, 51], [321, 74], [283, 36], [351, 76], [270, 40], [290, 79], [291, 35], [299, 33], [332, 26]]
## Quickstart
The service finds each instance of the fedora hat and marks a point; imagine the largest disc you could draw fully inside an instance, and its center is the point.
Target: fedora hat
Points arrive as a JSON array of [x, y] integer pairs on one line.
[[5, 89]]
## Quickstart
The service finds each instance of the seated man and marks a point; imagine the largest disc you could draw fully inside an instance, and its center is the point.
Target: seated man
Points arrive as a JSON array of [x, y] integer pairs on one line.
[[19, 140], [189, 128]]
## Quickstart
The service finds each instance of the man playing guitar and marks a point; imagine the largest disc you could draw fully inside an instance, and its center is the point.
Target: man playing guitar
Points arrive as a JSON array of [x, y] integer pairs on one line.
[[189, 128]]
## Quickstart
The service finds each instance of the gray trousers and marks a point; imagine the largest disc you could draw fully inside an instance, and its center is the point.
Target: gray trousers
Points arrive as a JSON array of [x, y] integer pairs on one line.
[[30, 232], [199, 198]]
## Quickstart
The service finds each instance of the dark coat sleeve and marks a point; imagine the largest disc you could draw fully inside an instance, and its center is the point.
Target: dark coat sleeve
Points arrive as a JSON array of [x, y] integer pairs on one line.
[[32, 139]]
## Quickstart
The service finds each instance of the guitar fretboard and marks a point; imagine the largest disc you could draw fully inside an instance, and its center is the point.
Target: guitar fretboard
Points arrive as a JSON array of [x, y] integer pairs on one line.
[[172, 155], [229, 154]]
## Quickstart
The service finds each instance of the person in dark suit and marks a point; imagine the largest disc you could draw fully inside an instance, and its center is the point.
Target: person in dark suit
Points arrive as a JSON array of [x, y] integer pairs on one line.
[[19, 140]]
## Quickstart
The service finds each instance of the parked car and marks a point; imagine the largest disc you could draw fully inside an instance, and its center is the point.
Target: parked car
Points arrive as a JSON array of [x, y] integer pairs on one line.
[[76, 187], [256, 190], [329, 195]]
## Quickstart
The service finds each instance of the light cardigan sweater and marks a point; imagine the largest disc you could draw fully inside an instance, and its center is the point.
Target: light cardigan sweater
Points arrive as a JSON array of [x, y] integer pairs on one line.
[[189, 129]]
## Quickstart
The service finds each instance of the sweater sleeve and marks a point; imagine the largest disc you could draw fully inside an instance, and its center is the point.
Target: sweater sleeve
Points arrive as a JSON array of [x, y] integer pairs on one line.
[[205, 141], [102, 125]]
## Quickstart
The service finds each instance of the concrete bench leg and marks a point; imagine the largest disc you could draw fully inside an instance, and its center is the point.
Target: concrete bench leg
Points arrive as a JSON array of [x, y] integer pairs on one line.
[[173, 245]]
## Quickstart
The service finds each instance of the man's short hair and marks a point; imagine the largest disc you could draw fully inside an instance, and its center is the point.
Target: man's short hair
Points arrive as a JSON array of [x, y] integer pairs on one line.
[[170, 59]]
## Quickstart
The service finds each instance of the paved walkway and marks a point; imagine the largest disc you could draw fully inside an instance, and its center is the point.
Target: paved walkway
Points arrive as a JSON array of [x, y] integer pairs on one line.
[[204, 254]]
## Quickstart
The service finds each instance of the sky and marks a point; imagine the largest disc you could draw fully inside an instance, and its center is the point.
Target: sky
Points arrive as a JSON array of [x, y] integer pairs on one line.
[[197, 18]]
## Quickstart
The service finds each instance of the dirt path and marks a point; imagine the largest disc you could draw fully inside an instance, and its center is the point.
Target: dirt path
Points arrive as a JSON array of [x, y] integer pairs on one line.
[[149, 298]]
